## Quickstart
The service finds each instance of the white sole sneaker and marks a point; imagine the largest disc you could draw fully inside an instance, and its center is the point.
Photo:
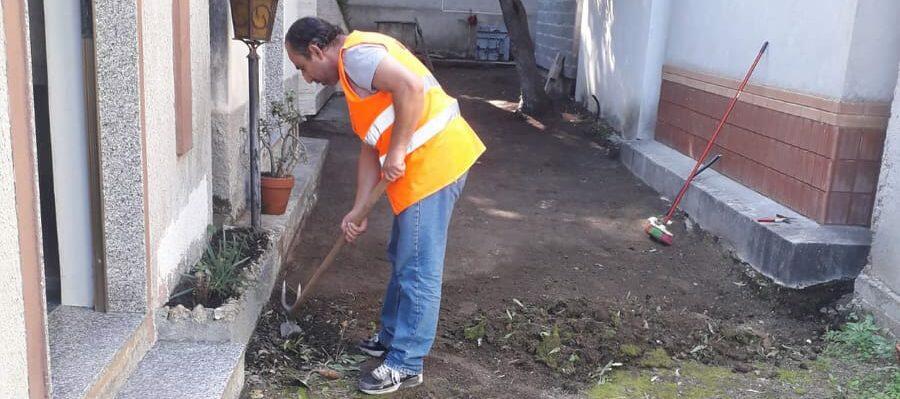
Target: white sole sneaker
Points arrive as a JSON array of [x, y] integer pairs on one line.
[[412, 382]]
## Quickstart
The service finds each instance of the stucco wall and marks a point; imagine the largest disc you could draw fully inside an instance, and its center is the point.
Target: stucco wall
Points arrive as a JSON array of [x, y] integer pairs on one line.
[[886, 216], [14, 367], [620, 58], [836, 49], [443, 22], [178, 187]]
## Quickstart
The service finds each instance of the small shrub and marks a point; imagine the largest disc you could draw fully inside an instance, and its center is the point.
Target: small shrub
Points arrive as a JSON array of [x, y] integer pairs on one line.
[[218, 274], [279, 137], [219, 271]]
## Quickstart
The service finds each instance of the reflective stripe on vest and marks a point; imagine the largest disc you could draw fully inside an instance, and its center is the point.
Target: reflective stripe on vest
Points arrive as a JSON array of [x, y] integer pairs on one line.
[[385, 119], [431, 128]]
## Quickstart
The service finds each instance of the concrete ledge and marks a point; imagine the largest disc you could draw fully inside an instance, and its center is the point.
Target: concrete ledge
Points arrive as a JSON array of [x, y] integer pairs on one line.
[[878, 298], [188, 370], [236, 319], [332, 116], [91, 353], [797, 255]]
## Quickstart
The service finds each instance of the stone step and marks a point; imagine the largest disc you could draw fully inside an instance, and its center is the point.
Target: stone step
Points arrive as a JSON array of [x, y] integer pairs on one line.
[[194, 370], [796, 255], [83, 366]]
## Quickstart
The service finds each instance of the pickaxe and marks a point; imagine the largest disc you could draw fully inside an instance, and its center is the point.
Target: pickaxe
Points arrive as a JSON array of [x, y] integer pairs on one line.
[[292, 310]]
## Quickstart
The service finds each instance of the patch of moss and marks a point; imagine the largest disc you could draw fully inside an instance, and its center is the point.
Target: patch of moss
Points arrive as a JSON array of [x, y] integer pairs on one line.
[[657, 358], [793, 377], [608, 333], [630, 350], [697, 381], [633, 384], [708, 381], [821, 364]]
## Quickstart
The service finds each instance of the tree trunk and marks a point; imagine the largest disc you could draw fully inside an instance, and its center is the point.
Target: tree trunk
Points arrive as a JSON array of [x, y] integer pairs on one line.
[[534, 100]]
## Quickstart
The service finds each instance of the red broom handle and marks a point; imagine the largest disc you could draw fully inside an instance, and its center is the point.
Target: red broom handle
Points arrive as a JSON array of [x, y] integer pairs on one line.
[[712, 139]]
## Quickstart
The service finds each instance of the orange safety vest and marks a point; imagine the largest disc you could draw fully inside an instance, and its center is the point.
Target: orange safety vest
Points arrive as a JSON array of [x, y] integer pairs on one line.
[[443, 146]]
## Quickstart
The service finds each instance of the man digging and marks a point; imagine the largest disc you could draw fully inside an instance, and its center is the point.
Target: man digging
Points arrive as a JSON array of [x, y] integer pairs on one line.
[[414, 137]]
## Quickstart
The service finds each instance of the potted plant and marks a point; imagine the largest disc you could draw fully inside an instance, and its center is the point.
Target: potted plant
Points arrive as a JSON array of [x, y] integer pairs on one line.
[[279, 138]]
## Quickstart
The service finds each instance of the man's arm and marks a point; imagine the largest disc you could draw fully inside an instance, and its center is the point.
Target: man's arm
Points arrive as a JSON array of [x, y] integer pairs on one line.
[[367, 174], [366, 178], [408, 96]]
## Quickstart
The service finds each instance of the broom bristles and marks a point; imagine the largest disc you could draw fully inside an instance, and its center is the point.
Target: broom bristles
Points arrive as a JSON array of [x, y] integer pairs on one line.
[[658, 233]]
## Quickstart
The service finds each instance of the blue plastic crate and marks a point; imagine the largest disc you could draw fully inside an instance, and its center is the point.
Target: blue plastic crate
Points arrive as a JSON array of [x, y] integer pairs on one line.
[[492, 43]]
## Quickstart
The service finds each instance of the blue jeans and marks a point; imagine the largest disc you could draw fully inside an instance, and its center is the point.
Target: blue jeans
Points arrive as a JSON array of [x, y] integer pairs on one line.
[[409, 315]]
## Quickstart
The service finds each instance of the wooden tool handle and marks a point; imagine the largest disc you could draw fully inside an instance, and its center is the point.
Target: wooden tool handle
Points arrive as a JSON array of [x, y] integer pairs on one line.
[[371, 200]]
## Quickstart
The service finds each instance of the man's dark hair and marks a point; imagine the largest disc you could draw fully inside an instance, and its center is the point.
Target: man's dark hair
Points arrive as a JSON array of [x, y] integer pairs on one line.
[[311, 30]]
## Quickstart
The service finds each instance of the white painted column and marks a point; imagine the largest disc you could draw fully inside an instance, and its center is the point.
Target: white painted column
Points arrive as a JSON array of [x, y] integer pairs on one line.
[[621, 52], [68, 137], [878, 286]]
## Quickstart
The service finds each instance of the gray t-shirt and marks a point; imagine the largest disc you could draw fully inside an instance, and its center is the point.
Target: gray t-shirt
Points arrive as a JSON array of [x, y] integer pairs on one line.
[[360, 63]]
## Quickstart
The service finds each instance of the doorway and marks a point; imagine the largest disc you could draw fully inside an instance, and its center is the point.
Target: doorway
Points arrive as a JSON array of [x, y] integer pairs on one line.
[[63, 78]]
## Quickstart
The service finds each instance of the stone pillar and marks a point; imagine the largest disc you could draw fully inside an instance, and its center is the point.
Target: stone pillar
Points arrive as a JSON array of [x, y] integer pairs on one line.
[[122, 156], [228, 69], [878, 286], [273, 69]]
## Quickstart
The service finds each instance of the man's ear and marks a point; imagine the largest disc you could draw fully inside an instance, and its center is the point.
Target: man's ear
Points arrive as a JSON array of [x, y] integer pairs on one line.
[[314, 51]]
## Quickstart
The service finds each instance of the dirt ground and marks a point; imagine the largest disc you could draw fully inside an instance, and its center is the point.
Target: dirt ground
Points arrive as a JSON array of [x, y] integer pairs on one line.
[[550, 284]]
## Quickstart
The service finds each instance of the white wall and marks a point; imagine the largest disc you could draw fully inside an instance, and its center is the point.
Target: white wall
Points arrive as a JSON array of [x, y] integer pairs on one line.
[[443, 22], [874, 52], [179, 192], [14, 364], [621, 52], [839, 49]]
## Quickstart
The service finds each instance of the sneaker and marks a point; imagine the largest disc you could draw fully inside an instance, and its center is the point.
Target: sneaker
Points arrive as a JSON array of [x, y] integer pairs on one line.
[[386, 380], [372, 347]]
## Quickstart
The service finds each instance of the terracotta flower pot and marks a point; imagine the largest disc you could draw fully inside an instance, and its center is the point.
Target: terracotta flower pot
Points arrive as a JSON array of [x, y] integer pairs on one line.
[[275, 192]]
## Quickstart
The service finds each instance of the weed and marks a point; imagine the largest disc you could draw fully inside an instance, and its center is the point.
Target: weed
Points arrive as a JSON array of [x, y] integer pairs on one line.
[[600, 373], [874, 386], [338, 358], [859, 339], [476, 332], [548, 349]]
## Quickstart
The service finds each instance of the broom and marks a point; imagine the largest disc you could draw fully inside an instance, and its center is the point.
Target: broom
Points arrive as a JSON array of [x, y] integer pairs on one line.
[[655, 227]]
